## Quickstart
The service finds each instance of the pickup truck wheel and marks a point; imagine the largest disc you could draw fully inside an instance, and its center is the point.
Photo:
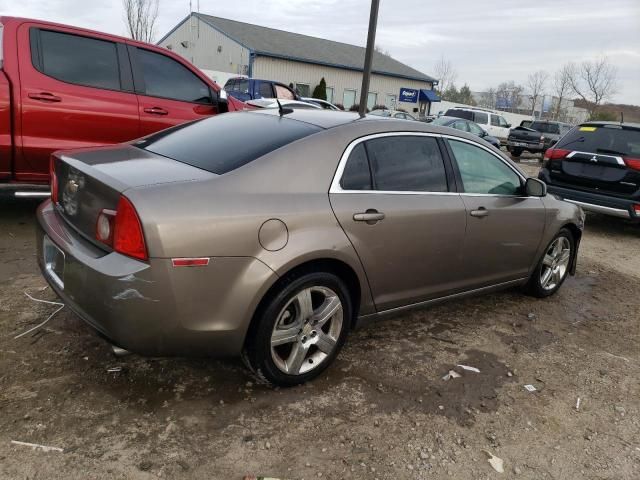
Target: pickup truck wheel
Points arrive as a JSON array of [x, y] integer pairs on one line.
[[516, 152]]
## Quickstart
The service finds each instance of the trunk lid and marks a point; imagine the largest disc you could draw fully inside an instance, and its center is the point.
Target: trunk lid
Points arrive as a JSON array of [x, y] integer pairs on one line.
[[91, 180]]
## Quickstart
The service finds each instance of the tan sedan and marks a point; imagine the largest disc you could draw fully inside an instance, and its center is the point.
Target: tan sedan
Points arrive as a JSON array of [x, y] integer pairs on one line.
[[270, 235]]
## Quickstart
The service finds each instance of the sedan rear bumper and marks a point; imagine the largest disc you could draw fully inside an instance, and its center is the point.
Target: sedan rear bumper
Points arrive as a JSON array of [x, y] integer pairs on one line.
[[152, 308]]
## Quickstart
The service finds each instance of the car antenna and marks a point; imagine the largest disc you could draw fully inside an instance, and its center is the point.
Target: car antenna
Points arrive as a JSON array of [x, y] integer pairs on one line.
[[282, 110]]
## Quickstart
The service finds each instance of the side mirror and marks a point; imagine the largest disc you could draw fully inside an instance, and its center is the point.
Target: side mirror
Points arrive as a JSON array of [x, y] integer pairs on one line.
[[535, 188], [508, 125], [223, 101], [483, 134]]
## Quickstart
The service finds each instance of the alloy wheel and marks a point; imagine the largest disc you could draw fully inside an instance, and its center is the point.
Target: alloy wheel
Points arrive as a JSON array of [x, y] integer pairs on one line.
[[555, 263], [307, 330]]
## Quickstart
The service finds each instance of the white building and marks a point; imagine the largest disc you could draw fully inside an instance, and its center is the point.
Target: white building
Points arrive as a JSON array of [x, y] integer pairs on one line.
[[227, 46]]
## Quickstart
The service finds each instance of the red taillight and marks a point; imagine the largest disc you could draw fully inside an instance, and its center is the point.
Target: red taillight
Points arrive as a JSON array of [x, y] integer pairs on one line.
[[53, 179], [128, 238], [556, 153], [633, 163], [636, 209]]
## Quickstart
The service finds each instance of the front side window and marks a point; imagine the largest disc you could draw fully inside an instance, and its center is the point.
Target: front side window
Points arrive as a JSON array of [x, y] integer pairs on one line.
[[482, 172], [494, 121], [475, 129], [407, 164], [356, 175], [460, 125], [283, 93], [79, 60], [166, 78], [503, 123]]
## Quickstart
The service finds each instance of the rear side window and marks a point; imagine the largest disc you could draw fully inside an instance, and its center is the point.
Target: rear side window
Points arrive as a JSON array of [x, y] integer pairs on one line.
[[219, 144], [481, 118], [356, 175], [611, 140], [454, 112], [166, 78], [74, 59], [265, 90], [407, 163]]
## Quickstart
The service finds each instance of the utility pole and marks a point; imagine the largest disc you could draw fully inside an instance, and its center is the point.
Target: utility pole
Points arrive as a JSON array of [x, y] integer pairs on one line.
[[368, 57]]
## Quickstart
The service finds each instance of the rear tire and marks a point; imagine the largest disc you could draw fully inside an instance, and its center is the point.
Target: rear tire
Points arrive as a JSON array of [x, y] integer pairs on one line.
[[554, 266], [299, 329], [516, 152]]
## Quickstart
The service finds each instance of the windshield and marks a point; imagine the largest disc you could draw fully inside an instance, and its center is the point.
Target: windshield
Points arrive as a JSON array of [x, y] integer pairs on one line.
[[604, 139], [223, 143], [545, 127], [441, 121]]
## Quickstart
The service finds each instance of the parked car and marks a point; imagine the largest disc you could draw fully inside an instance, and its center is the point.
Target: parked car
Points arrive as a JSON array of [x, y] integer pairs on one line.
[[493, 123], [535, 136], [67, 87], [273, 103], [400, 115], [321, 103], [244, 89], [466, 126], [277, 270], [597, 166]]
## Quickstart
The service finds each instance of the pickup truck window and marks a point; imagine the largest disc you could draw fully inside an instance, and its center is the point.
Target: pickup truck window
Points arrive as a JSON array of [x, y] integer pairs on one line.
[[265, 90], [166, 78], [94, 63], [242, 86], [544, 127]]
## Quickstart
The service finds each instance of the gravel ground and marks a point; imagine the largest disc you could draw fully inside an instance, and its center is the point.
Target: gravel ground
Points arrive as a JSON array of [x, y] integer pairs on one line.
[[382, 411]]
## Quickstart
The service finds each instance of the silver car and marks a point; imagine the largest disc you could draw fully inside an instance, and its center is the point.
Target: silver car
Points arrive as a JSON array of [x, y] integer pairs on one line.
[[271, 236]]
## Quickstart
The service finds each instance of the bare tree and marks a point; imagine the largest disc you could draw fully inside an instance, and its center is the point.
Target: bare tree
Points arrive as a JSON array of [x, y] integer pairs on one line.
[[140, 17], [445, 74], [507, 96], [594, 82], [536, 83], [561, 86]]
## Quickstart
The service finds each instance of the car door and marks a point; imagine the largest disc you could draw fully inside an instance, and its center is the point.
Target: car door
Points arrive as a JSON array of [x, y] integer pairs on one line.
[[504, 226], [392, 197], [169, 93], [499, 127], [74, 91]]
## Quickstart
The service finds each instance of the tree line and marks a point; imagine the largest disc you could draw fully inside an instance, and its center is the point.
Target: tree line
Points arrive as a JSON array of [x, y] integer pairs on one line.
[[592, 81]]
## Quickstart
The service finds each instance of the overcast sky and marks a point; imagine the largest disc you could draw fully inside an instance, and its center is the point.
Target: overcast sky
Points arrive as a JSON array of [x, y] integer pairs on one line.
[[488, 41]]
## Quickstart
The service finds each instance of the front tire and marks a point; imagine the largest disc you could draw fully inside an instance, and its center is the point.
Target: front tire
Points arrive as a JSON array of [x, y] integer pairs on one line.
[[553, 268], [516, 152], [300, 329]]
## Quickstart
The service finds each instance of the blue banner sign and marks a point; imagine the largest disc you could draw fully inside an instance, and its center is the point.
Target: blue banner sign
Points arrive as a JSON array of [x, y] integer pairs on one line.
[[408, 95]]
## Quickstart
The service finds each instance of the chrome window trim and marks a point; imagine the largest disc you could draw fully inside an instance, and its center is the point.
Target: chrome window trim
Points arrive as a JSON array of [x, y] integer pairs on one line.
[[335, 183], [337, 188]]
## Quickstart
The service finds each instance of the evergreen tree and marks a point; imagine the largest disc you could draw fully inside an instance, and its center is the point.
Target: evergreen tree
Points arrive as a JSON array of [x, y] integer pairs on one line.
[[320, 92]]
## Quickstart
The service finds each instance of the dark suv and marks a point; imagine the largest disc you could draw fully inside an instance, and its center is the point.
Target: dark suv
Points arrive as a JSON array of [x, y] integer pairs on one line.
[[597, 166]]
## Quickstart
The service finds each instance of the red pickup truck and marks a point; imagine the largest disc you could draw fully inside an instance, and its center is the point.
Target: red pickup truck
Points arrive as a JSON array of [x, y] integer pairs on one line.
[[64, 87]]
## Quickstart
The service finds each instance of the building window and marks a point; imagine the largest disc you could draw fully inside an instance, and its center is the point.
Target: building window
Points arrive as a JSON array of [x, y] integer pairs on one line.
[[303, 89], [372, 100], [390, 101], [329, 91], [349, 98]]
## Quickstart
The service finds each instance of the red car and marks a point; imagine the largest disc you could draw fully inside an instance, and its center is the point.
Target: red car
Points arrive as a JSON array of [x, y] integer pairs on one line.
[[64, 87]]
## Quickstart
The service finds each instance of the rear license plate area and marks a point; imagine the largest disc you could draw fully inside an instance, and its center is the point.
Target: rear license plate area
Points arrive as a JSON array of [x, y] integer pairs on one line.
[[53, 261]]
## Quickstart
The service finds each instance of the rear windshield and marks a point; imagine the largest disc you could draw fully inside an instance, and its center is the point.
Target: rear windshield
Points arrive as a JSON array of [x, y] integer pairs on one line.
[[225, 142], [602, 139], [544, 127]]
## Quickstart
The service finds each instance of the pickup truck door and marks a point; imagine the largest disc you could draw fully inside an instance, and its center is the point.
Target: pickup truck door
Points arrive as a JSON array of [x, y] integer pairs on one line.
[[75, 91], [169, 92]]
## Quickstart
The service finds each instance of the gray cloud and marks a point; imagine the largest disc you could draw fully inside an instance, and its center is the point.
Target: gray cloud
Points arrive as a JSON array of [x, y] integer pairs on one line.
[[488, 41]]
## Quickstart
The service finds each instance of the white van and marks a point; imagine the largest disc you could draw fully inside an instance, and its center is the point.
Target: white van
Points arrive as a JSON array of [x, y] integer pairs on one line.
[[492, 122]]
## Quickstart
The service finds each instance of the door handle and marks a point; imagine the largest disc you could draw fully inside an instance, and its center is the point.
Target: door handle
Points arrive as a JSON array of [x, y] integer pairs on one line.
[[371, 216], [480, 212], [45, 97], [156, 111]]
